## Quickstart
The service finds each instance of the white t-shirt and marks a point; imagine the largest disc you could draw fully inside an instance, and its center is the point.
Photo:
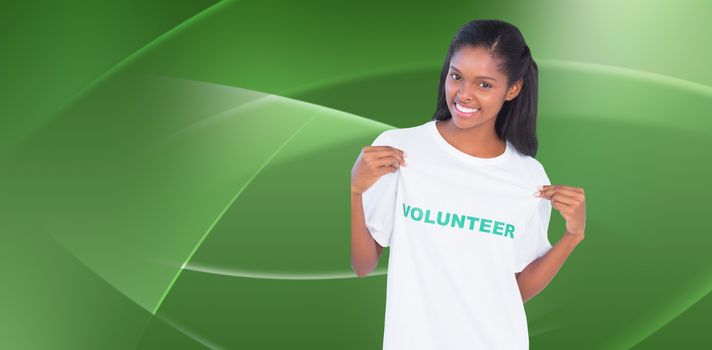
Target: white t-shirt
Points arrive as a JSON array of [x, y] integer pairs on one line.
[[458, 228]]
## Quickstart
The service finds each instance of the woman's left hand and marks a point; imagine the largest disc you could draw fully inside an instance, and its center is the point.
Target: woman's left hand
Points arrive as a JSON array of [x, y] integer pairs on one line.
[[571, 203]]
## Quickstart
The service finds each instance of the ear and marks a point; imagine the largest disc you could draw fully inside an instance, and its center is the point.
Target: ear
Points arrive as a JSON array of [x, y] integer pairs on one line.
[[514, 90]]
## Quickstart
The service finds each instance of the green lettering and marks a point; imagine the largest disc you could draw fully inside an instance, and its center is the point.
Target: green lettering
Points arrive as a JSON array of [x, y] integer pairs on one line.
[[509, 231], [427, 217], [484, 225], [406, 210], [447, 218], [413, 213], [458, 220], [498, 228], [472, 221]]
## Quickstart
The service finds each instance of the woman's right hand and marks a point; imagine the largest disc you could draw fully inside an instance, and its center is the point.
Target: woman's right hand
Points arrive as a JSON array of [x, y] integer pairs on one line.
[[372, 163]]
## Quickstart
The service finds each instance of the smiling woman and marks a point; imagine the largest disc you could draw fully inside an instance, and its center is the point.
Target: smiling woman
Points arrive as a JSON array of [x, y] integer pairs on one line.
[[475, 157]]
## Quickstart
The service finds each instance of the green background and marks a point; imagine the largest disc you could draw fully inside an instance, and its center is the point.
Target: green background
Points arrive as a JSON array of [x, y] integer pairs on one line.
[[174, 174]]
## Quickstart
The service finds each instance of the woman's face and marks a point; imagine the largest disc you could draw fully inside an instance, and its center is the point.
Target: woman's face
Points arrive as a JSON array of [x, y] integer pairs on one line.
[[474, 82]]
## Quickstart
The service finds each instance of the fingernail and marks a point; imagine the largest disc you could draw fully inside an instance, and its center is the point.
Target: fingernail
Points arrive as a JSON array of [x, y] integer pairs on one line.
[[405, 154], [540, 188], [537, 193]]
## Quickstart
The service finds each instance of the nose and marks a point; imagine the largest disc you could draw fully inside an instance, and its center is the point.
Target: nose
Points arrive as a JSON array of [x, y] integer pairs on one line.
[[464, 93]]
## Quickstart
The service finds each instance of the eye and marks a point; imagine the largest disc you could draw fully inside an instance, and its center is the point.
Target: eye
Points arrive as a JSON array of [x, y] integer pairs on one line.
[[453, 74], [488, 85]]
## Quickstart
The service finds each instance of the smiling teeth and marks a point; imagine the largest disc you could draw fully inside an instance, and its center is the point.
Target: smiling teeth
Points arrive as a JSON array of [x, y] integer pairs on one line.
[[465, 109]]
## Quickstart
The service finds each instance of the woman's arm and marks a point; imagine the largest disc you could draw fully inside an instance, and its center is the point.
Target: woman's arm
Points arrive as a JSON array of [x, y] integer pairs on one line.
[[365, 251], [537, 275], [571, 203]]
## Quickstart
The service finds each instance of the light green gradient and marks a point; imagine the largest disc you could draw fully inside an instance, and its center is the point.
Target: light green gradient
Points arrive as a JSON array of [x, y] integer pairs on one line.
[[162, 164]]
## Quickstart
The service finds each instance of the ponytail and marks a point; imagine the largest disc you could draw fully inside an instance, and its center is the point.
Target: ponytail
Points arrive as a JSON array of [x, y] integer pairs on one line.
[[516, 120]]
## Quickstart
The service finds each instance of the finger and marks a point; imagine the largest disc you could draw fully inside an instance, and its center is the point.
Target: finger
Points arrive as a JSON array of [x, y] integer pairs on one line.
[[384, 151], [386, 169], [572, 188], [387, 161], [569, 188], [556, 204], [548, 191], [562, 198]]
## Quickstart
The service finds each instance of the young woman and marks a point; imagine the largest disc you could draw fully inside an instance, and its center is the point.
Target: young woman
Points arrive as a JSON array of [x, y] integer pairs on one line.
[[466, 217]]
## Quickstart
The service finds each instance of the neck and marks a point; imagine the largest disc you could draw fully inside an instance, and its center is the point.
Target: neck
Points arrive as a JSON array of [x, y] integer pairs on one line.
[[480, 141]]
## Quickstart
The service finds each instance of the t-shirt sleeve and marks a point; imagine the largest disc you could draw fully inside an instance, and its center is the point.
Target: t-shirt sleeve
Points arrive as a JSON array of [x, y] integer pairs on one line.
[[534, 242], [379, 201]]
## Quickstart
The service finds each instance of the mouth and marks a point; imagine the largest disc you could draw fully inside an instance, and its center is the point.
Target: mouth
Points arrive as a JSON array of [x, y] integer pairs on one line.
[[466, 111]]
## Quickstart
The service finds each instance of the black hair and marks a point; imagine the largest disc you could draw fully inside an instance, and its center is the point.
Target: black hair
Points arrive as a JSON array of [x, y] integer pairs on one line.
[[516, 120]]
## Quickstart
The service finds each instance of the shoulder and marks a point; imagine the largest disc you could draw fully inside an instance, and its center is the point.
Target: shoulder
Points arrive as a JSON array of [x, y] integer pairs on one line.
[[399, 136], [538, 171], [533, 167]]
